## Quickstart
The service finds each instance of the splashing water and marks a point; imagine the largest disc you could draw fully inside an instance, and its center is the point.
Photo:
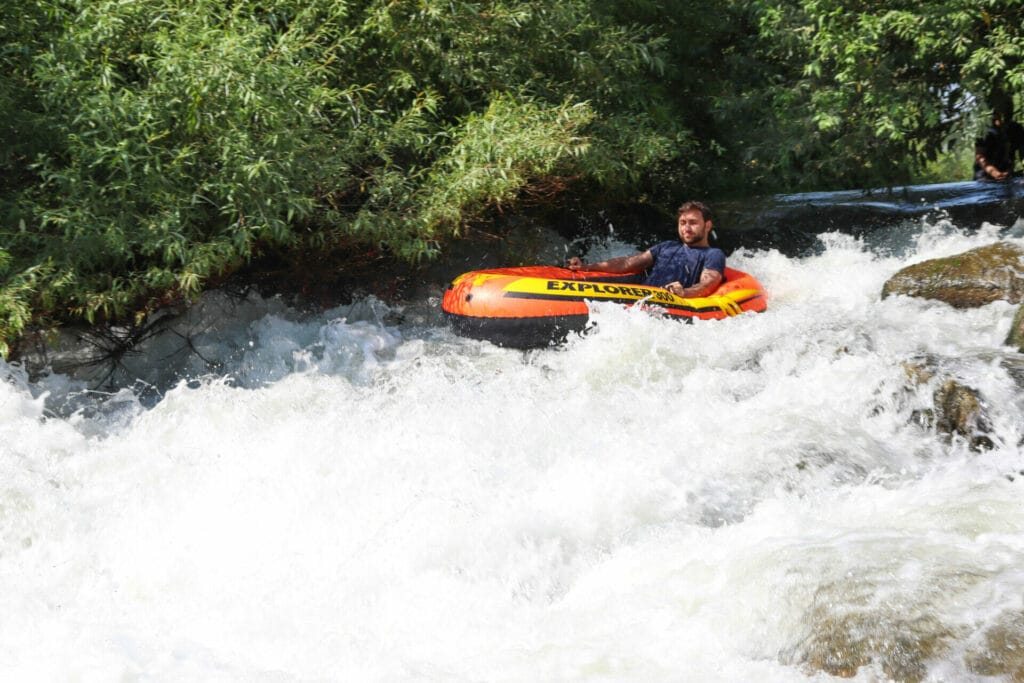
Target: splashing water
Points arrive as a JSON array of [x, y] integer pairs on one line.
[[351, 497]]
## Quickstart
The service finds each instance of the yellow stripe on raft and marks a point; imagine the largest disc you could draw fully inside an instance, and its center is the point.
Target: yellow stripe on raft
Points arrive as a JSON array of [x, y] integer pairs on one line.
[[728, 303], [575, 289]]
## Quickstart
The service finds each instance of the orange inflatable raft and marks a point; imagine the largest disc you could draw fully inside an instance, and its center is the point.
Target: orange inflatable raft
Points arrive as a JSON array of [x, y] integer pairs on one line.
[[538, 305]]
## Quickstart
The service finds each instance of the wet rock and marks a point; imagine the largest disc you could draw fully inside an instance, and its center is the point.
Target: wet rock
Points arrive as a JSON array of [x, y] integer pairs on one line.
[[1014, 367], [902, 645], [961, 411], [974, 278], [957, 409], [919, 371], [1016, 336], [1002, 653]]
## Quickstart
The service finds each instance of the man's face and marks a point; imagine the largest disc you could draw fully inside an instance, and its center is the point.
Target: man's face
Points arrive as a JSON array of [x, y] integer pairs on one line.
[[693, 229]]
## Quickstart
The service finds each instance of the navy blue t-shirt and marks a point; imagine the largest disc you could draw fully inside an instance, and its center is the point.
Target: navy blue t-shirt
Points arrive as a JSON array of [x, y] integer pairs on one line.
[[675, 261]]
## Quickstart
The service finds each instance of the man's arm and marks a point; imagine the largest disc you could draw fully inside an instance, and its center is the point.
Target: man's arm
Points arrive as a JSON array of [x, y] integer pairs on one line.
[[620, 264], [709, 281], [988, 168]]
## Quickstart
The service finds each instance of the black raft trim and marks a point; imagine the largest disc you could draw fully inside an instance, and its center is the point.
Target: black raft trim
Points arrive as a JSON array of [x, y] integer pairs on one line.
[[518, 333], [537, 332]]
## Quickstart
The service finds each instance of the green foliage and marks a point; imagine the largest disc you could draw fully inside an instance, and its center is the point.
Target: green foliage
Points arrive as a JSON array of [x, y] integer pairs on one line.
[[184, 138], [878, 90], [152, 147], [180, 138], [185, 142], [513, 147], [957, 164], [17, 297]]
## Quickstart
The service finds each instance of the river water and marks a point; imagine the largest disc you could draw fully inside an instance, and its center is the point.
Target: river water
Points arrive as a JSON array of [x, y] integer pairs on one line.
[[361, 495]]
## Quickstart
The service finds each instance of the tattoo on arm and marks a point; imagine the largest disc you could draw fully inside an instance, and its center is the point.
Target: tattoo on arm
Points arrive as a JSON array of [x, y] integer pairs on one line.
[[709, 280], [710, 277]]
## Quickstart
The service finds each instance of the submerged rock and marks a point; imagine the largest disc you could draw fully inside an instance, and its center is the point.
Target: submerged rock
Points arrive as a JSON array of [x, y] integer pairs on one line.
[[842, 639], [1002, 653], [957, 409], [974, 278]]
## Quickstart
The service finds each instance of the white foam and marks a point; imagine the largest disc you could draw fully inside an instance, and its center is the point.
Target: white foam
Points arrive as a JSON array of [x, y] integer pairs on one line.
[[343, 498]]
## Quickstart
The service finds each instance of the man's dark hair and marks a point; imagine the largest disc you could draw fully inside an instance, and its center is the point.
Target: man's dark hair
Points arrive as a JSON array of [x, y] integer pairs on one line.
[[705, 211]]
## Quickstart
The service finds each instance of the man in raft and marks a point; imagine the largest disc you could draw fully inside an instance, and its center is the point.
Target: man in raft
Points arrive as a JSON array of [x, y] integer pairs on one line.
[[687, 268]]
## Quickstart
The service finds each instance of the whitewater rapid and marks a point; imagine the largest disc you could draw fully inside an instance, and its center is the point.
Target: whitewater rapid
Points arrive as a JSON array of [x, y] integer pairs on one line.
[[360, 495]]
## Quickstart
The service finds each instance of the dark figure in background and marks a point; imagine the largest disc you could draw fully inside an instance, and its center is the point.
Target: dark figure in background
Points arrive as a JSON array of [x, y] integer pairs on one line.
[[994, 154]]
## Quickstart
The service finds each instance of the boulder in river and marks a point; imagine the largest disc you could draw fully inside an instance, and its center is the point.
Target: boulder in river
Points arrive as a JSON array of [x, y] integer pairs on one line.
[[974, 278]]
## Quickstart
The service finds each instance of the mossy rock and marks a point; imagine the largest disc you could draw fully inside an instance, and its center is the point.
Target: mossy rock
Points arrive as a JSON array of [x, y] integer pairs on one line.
[[974, 278]]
